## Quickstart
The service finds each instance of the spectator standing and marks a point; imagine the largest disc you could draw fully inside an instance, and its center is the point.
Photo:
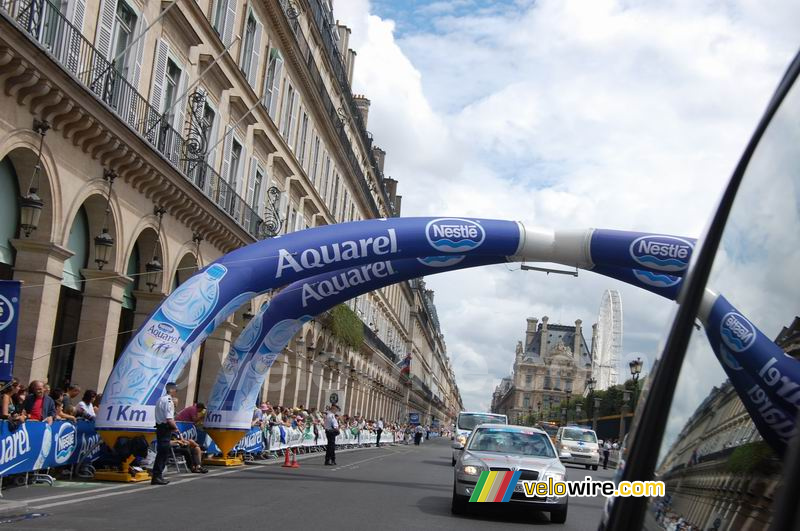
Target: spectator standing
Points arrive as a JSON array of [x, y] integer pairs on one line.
[[85, 407], [9, 409], [378, 431], [418, 435], [194, 413], [39, 406], [165, 426], [331, 431], [69, 398]]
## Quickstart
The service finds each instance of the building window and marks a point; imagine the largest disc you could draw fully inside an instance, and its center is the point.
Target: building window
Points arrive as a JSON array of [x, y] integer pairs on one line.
[[526, 402], [272, 83], [249, 42], [123, 34], [286, 118], [528, 379], [301, 146], [256, 199], [220, 7], [171, 80]]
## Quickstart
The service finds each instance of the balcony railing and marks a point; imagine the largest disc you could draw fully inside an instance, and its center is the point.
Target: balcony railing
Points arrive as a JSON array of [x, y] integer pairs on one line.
[[373, 339], [331, 109], [43, 22]]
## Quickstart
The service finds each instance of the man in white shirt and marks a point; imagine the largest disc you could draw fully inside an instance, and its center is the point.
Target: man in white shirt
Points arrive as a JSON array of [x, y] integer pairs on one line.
[[378, 431], [331, 426], [165, 426]]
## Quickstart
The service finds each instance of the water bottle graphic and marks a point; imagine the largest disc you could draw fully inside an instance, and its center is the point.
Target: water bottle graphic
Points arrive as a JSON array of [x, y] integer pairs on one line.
[[193, 301], [47, 443]]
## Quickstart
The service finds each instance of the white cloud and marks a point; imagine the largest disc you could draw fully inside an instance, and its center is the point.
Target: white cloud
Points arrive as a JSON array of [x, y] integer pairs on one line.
[[616, 114]]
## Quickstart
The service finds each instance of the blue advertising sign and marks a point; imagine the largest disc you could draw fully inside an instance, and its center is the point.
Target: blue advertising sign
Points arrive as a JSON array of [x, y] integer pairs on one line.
[[413, 418], [37, 445], [9, 315], [764, 376], [657, 253]]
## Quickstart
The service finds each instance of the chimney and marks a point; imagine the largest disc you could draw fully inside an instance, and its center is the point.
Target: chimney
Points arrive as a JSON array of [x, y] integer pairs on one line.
[[380, 157], [350, 64], [543, 344], [398, 204], [530, 331], [344, 38], [577, 343], [362, 104]]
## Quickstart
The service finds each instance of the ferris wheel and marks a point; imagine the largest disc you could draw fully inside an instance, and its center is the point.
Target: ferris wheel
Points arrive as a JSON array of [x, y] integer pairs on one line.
[[606, 351]]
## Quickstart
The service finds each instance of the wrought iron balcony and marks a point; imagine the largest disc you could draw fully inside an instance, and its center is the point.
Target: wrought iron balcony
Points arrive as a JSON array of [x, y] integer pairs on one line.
[[43, 22], [376, 342]]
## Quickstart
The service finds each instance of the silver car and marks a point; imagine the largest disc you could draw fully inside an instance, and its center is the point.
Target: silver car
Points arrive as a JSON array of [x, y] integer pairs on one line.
[[510, 448]]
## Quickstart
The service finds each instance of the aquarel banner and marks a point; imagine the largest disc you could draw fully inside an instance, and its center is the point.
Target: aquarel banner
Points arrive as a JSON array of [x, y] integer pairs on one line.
[[766, 379], [9, 317], [242, 374]]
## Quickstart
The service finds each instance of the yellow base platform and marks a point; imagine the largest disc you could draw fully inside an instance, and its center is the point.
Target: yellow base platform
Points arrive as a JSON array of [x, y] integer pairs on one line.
[[223, 461], [121, 477]]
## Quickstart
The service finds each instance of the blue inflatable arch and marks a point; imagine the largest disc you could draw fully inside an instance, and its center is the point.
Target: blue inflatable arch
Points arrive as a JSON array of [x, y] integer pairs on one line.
[[341, 258]]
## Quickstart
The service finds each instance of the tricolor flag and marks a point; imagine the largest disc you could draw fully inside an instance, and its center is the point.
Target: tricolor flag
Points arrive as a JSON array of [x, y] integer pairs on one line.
[[495, 486]]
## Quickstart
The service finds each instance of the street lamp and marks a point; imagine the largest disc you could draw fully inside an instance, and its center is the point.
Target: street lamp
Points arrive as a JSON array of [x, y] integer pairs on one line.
[[154, 268], [104, 242], [31, 204], [636, 370]]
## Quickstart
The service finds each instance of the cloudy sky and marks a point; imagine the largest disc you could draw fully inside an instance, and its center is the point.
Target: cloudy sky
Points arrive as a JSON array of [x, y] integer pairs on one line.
[[617, 114]]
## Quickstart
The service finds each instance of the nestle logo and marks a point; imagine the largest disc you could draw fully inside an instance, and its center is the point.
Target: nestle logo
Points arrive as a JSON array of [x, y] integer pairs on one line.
[[663, 253], [66, 442], [454, 235], [737, 332], [166, 328], [441, 261], [658, 280]]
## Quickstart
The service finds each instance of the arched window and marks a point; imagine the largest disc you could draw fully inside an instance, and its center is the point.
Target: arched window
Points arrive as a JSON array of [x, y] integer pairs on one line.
[[9, 217], [70, 302]]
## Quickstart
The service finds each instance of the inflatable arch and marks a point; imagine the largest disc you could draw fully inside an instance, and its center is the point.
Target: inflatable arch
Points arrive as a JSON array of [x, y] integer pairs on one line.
[[375, 253]]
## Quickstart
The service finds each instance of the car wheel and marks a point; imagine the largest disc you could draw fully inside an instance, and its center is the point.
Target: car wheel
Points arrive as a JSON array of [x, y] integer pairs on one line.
[[459, 503], [594, 467], [559, 516], [587, 467]]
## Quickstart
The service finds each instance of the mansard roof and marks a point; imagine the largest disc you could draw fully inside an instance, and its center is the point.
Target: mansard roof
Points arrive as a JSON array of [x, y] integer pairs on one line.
[[556, 332]]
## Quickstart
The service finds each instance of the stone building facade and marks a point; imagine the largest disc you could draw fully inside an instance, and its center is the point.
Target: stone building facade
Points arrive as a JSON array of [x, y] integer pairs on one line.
[[179, 132]]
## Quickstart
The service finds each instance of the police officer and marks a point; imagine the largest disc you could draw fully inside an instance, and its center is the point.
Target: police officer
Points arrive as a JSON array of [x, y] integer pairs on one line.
[[331, 431], [165, 426], [379, 430]]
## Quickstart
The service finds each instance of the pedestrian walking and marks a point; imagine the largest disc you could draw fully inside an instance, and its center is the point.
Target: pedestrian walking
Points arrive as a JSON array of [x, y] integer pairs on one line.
[[378, 432], [165, 427], [418, 435], [331, 432], [606, 453]]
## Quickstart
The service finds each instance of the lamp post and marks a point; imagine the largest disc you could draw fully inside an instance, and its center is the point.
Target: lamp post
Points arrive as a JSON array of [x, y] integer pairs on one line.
[[154, 268], [104, 242], [596, 405], [626, 396], [31, 204], [636, 370]]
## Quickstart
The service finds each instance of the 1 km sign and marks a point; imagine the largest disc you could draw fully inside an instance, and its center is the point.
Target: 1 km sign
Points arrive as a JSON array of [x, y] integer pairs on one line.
[[335, 396]]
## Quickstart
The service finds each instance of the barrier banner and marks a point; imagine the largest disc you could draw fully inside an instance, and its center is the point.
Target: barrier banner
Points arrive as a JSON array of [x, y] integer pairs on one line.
[[242, 374], [160, 349], [37, 445], [766, 379], [9, 316]]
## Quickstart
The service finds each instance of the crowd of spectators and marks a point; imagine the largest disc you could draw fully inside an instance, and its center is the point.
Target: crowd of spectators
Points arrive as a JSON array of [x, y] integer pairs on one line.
[[38, 402]]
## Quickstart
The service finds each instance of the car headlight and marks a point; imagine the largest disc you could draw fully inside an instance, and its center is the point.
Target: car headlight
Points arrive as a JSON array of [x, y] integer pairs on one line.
[[557, 476], [472, 470]]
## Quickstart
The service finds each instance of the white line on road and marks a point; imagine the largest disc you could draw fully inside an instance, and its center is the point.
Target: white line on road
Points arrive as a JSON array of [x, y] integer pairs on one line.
[[365, 460]]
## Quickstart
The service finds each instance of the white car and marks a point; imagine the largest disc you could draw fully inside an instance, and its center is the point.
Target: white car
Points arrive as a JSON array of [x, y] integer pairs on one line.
[[493, 447], [467, 420]]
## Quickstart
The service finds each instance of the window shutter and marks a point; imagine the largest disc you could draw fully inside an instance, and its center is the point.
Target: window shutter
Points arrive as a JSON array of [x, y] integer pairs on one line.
[[180, 107], [212, 140], [136, 71], [159, 72], [251, 76], [293, 121], [105, 27], [241, 171], [251, 184], [75, 14], [276, 85], [230, 20], [227, 147], [260, 200]]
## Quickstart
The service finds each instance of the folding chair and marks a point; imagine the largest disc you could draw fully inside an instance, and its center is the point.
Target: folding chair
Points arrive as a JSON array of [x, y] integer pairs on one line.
[[177, 461]]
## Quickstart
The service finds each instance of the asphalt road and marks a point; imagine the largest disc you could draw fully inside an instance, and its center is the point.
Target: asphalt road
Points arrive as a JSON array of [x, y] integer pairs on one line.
[[387, 488]]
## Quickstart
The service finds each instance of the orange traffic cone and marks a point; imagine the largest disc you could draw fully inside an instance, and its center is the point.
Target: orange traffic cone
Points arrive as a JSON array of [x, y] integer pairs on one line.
[[295, 464], [286, 461]]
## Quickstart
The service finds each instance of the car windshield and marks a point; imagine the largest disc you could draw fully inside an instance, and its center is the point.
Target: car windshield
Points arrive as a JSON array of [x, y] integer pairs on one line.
[[573, 434], [551, 430], [501, 441], [468, 421]]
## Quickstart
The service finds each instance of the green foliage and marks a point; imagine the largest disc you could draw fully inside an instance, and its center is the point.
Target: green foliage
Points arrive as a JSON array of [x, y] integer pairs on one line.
[[346, 326], [749, 457]]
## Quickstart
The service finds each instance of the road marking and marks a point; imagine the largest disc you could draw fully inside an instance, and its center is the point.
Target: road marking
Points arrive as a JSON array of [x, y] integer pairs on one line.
[[365, 460]]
